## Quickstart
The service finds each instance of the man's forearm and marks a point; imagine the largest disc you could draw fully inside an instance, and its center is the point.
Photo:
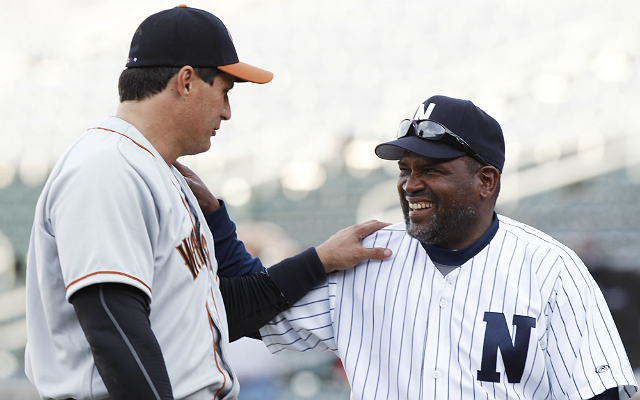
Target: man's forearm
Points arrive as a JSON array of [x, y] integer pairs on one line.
[[252, 301]]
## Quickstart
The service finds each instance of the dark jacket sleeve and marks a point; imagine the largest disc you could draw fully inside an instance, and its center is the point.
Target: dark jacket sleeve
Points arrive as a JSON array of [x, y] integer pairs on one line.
[[233, 258], [252, 294], [609, 394], [252, 301], [115, 321]]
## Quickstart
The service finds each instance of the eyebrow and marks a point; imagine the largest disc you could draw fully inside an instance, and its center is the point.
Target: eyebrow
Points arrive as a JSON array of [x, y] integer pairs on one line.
[[229, 82], [428, 162]]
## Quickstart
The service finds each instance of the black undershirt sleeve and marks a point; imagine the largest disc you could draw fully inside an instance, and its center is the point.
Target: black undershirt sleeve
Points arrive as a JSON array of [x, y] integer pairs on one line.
[[609, 394], [115, 321], [252, 301], [253, 297]]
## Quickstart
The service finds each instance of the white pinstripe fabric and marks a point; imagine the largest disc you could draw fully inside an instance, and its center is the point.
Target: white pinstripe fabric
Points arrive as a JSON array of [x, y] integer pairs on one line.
[[403, 331]]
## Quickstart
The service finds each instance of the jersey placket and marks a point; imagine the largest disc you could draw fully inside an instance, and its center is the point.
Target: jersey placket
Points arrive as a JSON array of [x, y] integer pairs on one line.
[[438, 337], [212, 312]]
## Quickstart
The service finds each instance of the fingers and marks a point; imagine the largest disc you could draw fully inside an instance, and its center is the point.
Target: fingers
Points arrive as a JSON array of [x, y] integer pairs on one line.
[[207, 201], [344, 249], [367, 228], [183, 169]]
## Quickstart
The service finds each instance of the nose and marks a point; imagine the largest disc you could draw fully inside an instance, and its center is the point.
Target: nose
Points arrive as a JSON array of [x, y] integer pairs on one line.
[[412, 184], [226, 111]]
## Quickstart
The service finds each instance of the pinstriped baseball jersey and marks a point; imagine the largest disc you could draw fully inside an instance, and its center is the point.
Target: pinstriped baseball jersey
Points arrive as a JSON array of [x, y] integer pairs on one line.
[[114, 211], [521, 319]]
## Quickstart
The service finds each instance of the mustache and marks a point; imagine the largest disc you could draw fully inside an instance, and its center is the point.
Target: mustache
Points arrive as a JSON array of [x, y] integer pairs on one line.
[[423, 195]]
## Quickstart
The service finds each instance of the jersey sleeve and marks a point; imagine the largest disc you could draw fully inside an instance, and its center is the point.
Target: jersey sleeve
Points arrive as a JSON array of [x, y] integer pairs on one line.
[[103, 217], [306, 326], [584, 353]]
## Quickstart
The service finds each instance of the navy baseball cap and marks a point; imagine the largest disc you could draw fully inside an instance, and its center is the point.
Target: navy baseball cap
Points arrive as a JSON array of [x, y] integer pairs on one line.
[[477, 128], [188, 36]]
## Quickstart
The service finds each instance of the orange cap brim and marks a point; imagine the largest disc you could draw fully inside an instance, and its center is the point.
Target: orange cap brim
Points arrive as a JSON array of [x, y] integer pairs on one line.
[[247, 72]]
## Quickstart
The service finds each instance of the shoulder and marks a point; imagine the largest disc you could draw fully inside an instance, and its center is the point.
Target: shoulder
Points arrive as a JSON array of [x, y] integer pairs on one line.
[[103, 164], [529, 234], [541, 248], [387, 236], [397, 227], [111, 148]]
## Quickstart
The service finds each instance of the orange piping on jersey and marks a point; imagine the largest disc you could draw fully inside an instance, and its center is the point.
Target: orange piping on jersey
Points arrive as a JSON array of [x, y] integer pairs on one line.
[[107, 272], [214, 301], [215, 353], [122, 134], [148, 151]]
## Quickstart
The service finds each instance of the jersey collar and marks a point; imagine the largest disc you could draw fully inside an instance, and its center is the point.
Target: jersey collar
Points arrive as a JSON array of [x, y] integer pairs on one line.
[[458, 257]]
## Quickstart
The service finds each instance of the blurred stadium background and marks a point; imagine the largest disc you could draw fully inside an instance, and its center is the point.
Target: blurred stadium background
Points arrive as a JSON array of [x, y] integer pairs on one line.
[[296, 161]]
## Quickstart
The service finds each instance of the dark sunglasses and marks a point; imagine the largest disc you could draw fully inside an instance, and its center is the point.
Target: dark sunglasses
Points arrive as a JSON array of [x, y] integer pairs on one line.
[[432, 130]]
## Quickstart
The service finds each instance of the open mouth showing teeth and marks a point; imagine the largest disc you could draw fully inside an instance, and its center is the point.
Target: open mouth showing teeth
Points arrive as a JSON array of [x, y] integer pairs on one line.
[[420, 206]]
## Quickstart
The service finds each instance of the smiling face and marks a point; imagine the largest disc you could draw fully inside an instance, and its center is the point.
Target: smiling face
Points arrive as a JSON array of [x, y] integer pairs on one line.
[[439, 198]]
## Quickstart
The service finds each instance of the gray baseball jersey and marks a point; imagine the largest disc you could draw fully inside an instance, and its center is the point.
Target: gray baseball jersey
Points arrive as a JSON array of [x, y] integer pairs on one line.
[[112, 210], [520, 319]]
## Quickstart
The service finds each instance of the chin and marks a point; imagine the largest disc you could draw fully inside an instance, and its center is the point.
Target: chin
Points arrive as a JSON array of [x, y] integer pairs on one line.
[[205, 146], [194, 151]]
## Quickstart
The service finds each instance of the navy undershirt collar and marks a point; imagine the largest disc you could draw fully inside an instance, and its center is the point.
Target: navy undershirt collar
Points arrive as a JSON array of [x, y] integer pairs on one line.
[[458, 257]]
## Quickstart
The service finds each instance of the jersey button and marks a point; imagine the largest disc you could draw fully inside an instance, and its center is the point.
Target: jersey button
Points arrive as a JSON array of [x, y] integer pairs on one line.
[[444, 303], [436, 374]]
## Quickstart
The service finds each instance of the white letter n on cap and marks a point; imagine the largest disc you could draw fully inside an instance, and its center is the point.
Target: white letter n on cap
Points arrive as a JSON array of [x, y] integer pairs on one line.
[[421, 113]]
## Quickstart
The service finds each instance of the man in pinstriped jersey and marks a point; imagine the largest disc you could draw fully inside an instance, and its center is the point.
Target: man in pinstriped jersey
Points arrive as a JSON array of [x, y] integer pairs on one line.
[[472, 304]]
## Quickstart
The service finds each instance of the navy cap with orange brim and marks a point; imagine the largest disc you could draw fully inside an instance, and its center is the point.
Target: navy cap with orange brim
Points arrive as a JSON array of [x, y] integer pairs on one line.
[[189, 36]]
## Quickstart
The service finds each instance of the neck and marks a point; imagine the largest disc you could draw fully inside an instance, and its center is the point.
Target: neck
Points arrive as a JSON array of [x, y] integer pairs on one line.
[[152, 117], [470, 233], [461, 256]]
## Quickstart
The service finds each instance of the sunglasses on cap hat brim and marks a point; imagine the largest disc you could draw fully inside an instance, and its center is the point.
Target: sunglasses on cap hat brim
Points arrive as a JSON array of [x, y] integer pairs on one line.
[[434, 131]]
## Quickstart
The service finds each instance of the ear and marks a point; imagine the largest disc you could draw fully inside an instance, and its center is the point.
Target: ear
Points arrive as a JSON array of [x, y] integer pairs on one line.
[[489, 177], [184, 80]]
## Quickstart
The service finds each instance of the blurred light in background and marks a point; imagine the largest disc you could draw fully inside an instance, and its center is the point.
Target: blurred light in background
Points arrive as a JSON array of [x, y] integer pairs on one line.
[[549, 88], [8, 364], [7, 174], [34, 167], [591, 147], [360, 158], [13, 327], [7, 264], [12, 323], [305, 384], [236, 191], [50, 72], [612, 66], [303, 176], [546, 151]]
